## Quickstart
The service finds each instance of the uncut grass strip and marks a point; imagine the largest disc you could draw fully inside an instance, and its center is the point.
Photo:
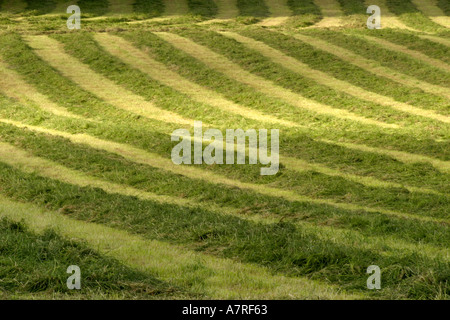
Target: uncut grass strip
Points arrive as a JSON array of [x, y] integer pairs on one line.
[[229, 68], [157, 161], [336, 84], [61, 6], [279, 13], [411, 16], [12, 85], [138, 155], [44, 254], [398, 62], [432, 11], [88, 51], [40, 7], [437, 39], [86, 159], [215, 278], [303, 253], [227, 9], [443, 166], [120, 6], [176, 7], [136, 58], [53, 53], [331, 12], [413, 53]]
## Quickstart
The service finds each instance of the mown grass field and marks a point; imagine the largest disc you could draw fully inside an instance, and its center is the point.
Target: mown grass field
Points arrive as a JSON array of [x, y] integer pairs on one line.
[[86, 176]]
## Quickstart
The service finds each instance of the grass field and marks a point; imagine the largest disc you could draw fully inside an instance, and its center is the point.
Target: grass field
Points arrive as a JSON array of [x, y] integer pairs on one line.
[[86, 176]]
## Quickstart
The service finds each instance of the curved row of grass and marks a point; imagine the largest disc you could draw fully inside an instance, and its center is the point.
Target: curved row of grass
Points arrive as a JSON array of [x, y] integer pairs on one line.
[[283, 247]]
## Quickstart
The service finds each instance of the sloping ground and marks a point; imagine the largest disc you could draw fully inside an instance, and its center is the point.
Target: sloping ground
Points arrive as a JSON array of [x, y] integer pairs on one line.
[[85, 149]]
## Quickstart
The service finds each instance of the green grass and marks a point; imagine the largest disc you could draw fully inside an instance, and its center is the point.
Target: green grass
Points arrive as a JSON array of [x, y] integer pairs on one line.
[[303, 224], [283, 247], [36, 264]]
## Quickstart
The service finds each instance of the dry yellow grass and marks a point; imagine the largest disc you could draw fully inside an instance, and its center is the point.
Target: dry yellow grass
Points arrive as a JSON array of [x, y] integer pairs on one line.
[[334, 83], [125, 51], [372, 66], [53, 53], [232, 70]]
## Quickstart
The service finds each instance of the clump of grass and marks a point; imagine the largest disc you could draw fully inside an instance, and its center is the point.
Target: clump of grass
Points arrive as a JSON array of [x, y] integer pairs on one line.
[[205, 8], [152, 8]]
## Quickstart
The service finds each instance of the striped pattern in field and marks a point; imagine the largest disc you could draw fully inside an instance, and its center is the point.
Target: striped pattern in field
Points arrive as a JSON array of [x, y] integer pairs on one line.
[[363, 175]]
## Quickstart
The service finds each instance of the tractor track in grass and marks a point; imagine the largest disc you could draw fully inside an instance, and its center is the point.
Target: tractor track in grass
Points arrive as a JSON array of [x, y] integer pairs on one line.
[[412, 53], [372, 66], [13, 86], [136, 58], [222, 64], [432, 11], [52, 52], [227, 279], [331, 12], [334, 83], [155, 160]]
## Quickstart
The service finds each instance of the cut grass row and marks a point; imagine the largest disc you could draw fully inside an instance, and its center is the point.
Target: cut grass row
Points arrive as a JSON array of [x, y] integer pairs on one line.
[[282, 247], [307, 148], [199, 275], [325, 188]]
